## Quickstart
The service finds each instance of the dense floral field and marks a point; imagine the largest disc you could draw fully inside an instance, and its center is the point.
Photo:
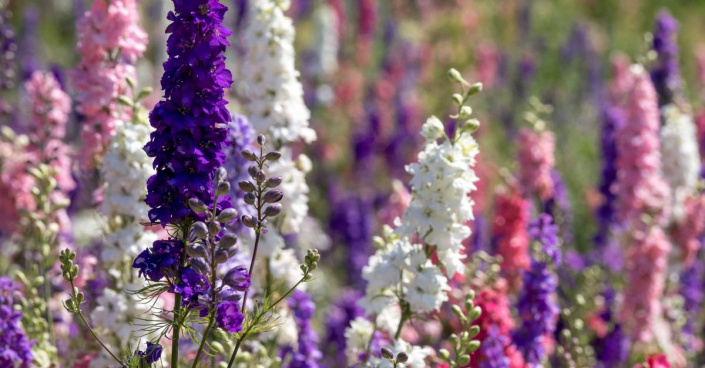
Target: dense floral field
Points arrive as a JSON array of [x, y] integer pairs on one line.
[[352, 183]]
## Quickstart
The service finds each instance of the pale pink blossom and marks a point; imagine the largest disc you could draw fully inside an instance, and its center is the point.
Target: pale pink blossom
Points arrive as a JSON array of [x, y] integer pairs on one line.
[[487, 63], [109, 41], [639, 188], [50, 108], [398, 202], [536, 162], [686, 234], [646, 264]]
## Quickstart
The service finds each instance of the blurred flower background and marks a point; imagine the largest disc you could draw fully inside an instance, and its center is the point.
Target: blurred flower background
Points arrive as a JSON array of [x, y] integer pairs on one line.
[[576, 147]]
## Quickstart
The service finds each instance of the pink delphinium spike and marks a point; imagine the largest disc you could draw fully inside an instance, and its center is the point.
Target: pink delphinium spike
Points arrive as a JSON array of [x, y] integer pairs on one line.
[[536, 161], [686, 235], [109, 41], [509, 231], [487, 63], [639, 188]]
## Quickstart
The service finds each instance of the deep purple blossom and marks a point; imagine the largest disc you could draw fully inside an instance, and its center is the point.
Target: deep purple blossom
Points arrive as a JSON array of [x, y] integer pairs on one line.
[[307, 354], [691, 283], [665, 72], [492, 349], [237, 278], [159, 260], [560, 208], [190, 123], [152, 353], [613, 350], [545, 232], [538, 310], [343, 311], [15, 347], [192, 286], [351, 223], [229, 317]]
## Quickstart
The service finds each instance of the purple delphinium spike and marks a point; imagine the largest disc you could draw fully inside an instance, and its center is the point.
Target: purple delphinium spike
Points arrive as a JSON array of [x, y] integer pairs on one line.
[[613, 349], [606, 251], [665, 72], [351, 224], [560, 208], [191, 122], [306, 355], [691, 283], [536, 305], [492, 349], [344, 310], [15, 347]]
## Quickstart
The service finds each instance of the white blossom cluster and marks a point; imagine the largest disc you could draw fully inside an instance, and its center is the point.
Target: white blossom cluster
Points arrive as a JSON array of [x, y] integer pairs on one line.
[[125, 172], [295, 202], [275, 95], [327, 44], [679, 155], [440, 204], [402, 268], [358, 337]]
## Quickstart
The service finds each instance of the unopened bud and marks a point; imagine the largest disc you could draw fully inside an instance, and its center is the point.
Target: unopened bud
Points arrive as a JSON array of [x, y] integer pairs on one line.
[[199, 265], [227, 241], [214, 228], [249, 155], [387, 353], [247, 186], [196, 250], [261, 140], [273, 156], [273, 196], [197, 205], [250, 198], [221, 174], [227, 215], [252, 170], [199, 230], [223, 188], [260, 176], [273, 210], [248, 221], [273, 182], [402, 357], [221, 256]]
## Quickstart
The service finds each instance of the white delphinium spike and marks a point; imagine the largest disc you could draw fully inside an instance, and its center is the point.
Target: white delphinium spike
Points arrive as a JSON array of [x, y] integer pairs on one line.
[[680, 156]]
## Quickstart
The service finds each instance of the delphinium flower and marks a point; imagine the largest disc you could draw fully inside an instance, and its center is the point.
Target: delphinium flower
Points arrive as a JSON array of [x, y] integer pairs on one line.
[[536, 156], [187, 146], [402, 280], [343, 311], [496, 324], [655, 361], [605, 244], [687, 234], [642, 192], [560, 208], [690, 288], [109, 42], [509, 233], [680, 157], [665, 72], [536, 305], [351, 223], [275, 103], [306, 353], [15, 347]]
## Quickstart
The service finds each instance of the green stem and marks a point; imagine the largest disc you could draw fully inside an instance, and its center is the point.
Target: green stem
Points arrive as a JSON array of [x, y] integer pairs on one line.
[[177, 314], [212, 316], [203, 340], [402, 320]]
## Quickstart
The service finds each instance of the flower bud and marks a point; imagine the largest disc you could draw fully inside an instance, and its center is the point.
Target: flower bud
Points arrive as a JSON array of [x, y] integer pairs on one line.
[[402, 357], [260, 176], [197, 205], [229, 295], [221, 256], [273, 182], [214, 228], [222, 188], [248, 221], [273, 156], [250, 198], [227, 241], [387, 353], [247, 186], [273, 196], [199, 230], [261, 140], [221, 174], [475, 89], [199, 265], [252, 170], [273, 210], [455, 76], [249, 155], [227, 215], [196, 250], [465, 112], [463, 360]]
